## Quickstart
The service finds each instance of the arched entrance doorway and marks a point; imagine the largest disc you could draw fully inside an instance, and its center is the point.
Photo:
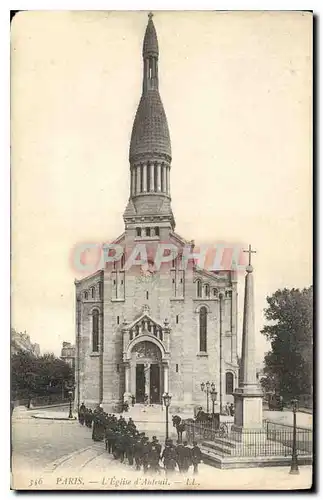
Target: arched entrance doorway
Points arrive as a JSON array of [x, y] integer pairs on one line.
[[146, 372]]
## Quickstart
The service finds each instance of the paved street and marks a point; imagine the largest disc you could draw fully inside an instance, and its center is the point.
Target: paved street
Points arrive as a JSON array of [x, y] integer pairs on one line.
[[60, 454], [35, 443]]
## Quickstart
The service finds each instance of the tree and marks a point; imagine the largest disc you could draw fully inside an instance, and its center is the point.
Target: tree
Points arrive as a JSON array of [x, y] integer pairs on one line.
[[288, 365], [33, 376]]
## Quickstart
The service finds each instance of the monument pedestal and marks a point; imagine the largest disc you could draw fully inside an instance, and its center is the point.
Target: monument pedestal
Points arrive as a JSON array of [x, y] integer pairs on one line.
[[248, 414]]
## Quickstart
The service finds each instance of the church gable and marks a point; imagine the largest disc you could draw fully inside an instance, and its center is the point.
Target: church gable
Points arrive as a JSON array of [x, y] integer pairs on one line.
[[144, 325]]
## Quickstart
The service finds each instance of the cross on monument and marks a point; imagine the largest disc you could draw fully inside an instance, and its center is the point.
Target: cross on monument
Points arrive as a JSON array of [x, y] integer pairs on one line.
[[150, 15], [249, 251]]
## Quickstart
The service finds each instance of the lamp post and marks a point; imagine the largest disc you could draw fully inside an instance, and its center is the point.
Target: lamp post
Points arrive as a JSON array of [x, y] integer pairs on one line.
[[206, 388], [213, 397], [294, 465], [70, 389], [167, 399]]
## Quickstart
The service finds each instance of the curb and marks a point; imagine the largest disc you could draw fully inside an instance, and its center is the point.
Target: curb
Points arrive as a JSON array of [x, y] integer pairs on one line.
[[44, 417], [57, 405]]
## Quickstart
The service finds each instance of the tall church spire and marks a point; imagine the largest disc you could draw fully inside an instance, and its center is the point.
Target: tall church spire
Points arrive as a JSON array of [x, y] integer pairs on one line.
[[150, 147]]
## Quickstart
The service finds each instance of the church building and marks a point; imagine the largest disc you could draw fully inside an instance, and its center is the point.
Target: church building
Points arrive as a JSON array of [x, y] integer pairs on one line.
[[146, 330]]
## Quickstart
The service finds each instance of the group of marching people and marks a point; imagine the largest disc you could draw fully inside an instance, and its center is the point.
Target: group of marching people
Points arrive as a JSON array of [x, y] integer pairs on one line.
[[124, 441]]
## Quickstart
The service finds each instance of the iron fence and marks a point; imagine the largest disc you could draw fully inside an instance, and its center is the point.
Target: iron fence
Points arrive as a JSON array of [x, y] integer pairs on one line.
[[284, 434], [272, 440]]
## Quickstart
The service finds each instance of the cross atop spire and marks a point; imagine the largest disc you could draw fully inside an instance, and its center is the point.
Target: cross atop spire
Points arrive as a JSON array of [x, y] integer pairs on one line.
[[150, 15], [249, 251]]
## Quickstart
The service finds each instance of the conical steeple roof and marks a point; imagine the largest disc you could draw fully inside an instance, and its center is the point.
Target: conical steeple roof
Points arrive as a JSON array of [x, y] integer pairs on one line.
[[150, 133], [150, 47]]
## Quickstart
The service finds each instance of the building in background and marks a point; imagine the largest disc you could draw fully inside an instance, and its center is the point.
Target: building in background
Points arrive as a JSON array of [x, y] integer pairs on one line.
[[20, 341], [68, 354]]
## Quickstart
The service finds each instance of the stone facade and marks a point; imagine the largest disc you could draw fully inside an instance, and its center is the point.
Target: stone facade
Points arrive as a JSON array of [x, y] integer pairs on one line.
[[139, 330]]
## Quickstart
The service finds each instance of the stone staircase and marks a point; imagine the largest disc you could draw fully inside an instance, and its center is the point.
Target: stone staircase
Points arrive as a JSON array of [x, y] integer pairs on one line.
[[221, 445]]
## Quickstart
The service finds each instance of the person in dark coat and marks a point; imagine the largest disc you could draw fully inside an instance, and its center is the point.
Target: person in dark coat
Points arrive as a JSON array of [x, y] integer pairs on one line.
[[109, 439], [131, 426], [169, 457], [88, 418], [81, 415], [138, 452], [196, 456], [187, 458], [180, 452], [146, 448], [155, 451], [122, 444], [98, 425], [129, 444]]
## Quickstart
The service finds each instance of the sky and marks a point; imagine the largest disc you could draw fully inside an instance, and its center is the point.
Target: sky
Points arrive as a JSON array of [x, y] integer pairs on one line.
[[237, 91]]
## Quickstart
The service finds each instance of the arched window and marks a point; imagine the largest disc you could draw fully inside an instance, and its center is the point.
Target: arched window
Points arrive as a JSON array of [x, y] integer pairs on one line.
[[95, 330], [86, 295], [207, 291], [157, 231], [147, 231], [100, 289], [229, 383], [138, 231], [198, 288], [203, 329], [92, 292], [215, 292], [122, 261]]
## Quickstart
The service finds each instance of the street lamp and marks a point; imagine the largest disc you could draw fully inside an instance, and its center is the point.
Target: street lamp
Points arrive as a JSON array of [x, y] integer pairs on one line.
[[206, 388], [70, 389], [294, 465], [167, 399], [213, 397]]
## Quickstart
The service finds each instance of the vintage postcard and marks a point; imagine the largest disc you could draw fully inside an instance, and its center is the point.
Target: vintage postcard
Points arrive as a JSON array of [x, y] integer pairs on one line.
[[162, 300]]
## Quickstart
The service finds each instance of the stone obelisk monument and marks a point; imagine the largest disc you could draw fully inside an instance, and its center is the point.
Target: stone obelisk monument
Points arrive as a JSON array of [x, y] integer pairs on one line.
[[248, 396]]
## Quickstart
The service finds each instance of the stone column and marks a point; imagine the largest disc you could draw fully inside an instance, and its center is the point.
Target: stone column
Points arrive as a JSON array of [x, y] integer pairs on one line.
[[138, 167], [144, 173], [127, 393], [147, 380], [164, 175], [127, 377], [167, 177], [248, 396], [152, 177], [158, 177], [133, 378]]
